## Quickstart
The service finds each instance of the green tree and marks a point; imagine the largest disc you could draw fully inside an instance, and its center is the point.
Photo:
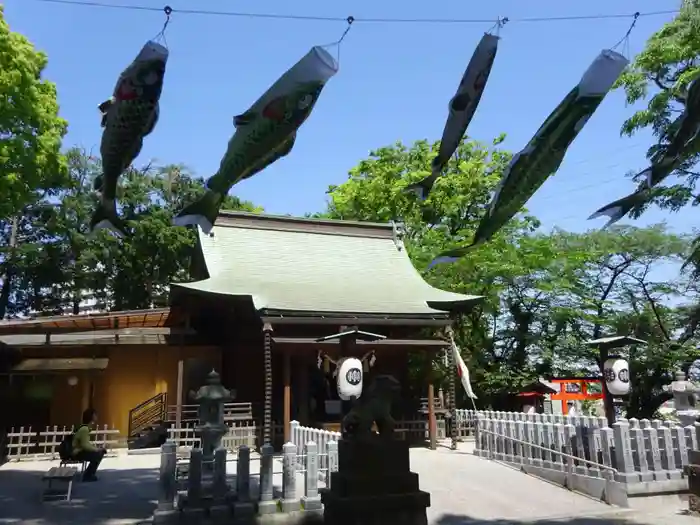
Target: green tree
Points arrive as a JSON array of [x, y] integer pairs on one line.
[[59, 264], [30, 129], [546, 295], [375, 192], [660, 74]]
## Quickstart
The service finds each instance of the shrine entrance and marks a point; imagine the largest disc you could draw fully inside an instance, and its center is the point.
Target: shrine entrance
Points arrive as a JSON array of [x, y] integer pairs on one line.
[[576, 389]]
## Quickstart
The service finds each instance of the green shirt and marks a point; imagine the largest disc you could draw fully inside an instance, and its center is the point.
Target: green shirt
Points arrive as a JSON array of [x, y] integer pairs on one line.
[[81, 440]]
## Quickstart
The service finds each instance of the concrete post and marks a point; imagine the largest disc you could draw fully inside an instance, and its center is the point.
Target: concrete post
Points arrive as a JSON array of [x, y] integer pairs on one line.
[[266, 505], [640, 453], [165, 512], [654, 455], [624, 463], [194, 479], [243, 474], [668, 456], [332, 461], [289, 502], [243, 508], [311, 499]]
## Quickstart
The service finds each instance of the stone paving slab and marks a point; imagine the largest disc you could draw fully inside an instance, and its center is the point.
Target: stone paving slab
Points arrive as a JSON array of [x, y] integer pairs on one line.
[[465, 490]]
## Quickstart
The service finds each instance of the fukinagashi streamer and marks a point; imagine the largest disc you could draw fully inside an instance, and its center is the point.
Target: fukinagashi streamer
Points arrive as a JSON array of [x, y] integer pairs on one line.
[[461, 110], [127, 117], [545, 152], [684, 141], [264, 133]]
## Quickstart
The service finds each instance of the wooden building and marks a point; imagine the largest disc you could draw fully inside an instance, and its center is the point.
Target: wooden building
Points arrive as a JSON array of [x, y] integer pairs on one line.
[[272, 295]]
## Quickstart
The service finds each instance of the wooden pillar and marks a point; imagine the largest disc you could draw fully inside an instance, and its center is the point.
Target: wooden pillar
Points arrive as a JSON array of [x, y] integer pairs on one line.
[[178, 400], [287, 405], [432, 424], [267, 408], [303, 389], [86, 382], [180, 377], [608, 403], [347, 346]]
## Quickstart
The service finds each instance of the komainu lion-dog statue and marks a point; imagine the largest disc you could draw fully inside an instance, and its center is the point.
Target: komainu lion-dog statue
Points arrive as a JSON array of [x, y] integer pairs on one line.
[[374, 406]]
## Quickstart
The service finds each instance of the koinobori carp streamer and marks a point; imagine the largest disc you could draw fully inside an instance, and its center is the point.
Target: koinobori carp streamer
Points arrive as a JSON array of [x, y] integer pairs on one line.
[[264, 133], [545, 152], [683, 143], [127, 117], [461, 110]]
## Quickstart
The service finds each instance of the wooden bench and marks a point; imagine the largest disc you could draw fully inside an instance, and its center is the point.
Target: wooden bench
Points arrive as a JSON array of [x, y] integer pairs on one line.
[[62, 474], [74, 463]]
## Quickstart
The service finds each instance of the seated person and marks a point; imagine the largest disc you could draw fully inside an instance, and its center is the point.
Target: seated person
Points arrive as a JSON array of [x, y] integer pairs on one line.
[[83, 450]]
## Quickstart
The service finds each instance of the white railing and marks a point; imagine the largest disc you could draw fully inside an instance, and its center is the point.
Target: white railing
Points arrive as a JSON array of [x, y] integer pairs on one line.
[[646, 452], [27, 443]]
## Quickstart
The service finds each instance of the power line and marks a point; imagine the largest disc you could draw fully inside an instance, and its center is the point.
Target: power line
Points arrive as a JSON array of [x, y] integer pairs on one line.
[[239, 14]]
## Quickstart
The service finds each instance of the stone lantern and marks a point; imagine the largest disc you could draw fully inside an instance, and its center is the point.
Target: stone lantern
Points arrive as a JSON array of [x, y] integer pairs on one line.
[[211, 398], [684, 398]]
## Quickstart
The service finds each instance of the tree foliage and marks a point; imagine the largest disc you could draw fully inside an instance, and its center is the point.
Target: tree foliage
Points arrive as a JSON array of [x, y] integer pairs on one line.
[[30, 128], [660, 74], [56, 265], [545, 295]]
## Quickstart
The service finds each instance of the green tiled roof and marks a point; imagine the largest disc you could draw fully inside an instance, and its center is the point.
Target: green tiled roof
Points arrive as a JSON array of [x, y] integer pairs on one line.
[[307, 265]]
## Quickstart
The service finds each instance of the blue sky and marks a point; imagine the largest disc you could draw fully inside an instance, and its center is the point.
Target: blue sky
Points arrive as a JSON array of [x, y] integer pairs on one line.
[[394, 84]]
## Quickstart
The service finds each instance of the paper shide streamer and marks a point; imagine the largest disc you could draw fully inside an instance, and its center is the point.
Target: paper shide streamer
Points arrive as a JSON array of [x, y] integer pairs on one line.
[[266, 132], [462, 108], [129, 115]]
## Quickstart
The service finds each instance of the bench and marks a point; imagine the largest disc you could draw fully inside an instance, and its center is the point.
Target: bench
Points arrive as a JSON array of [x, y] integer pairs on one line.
[[75, 463], [62, 474]]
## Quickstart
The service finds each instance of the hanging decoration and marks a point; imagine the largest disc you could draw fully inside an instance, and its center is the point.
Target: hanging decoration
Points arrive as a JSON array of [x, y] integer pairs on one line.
[[129, 115], [616, 372], [461, 108], [349, 372], [683, 143], [462, 370], [264, 133], [349, 379], [545, 152]]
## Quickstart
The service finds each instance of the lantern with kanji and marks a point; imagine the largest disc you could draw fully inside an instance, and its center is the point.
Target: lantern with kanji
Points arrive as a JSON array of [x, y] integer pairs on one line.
[[616, 372]]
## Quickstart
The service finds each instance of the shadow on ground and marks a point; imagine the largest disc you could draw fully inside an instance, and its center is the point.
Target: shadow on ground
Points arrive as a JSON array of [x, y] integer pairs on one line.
[[120, 496], [621, 518]]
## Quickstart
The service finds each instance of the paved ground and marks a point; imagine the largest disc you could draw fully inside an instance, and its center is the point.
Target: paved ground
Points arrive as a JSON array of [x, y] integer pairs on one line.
[[465, 490]]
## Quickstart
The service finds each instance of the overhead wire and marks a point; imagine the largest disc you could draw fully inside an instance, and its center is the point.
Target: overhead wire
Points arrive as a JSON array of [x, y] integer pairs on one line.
[[387, 20], [369, 20]]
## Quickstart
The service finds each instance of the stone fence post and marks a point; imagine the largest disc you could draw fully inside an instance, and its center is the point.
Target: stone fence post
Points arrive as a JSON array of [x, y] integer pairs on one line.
[[332, 450], [165, 511], [243, 473], [266, 505], [289, 502], [311, 499], [243, 508]]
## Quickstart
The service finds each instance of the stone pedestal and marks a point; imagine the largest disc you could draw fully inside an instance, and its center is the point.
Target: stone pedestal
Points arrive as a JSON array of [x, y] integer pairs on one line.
[[374, 485], [692, 472]]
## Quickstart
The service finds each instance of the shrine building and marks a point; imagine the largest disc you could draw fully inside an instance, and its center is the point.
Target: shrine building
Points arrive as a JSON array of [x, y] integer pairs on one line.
[[275, 302]]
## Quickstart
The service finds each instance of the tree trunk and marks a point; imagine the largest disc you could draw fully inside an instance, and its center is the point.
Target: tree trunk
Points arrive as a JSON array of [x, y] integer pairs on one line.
[[9, 270]]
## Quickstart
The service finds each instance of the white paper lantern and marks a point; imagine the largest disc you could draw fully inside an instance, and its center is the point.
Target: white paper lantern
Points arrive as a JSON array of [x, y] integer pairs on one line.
[[349, 378], [616, 372], [72, 381]]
